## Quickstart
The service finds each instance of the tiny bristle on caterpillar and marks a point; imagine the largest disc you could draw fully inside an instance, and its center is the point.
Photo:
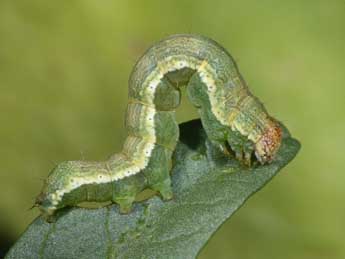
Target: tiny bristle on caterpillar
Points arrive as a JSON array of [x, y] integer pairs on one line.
[[231, 116]]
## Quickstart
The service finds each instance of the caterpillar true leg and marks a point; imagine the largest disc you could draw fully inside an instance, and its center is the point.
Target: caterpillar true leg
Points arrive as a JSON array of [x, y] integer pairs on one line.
[[241, 146]]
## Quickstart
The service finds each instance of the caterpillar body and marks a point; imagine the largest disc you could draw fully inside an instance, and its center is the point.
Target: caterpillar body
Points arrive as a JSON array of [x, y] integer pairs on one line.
[[231, 116]]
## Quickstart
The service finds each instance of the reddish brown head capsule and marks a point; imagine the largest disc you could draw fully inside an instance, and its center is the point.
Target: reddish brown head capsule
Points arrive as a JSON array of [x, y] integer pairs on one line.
[[269, 143]]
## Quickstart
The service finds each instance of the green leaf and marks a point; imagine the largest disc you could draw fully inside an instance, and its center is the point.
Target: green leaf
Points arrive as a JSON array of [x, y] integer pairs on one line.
[[208, 189]]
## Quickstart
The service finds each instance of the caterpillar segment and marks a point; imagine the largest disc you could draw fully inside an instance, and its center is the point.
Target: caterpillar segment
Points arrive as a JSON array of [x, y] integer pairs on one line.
[[232, 117]]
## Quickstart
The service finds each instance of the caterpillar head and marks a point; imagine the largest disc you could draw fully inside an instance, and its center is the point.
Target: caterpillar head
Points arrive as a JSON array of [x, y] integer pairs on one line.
[[269, 143]]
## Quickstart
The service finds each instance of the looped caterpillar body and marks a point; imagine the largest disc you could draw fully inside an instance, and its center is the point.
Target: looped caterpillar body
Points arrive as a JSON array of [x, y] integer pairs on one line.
[[231, 116]]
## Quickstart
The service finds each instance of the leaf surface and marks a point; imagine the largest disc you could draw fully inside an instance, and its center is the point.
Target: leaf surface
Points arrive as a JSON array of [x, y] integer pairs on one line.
[[208, 188]]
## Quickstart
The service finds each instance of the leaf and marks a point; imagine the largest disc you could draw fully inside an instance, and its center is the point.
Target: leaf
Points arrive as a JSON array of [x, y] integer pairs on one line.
[[208, 189]]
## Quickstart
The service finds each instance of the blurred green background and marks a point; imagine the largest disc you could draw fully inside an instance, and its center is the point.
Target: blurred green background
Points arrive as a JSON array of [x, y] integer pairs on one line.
[[64, 67]]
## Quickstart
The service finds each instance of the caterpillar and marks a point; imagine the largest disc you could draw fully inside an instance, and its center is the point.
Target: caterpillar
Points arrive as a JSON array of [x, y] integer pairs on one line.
[[233, 119]]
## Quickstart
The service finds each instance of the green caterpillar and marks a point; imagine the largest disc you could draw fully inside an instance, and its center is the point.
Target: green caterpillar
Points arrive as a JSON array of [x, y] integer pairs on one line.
[[232, 117]]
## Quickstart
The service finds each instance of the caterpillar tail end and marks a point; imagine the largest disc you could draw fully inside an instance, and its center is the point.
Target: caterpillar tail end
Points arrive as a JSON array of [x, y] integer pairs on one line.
[[46, 208]]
